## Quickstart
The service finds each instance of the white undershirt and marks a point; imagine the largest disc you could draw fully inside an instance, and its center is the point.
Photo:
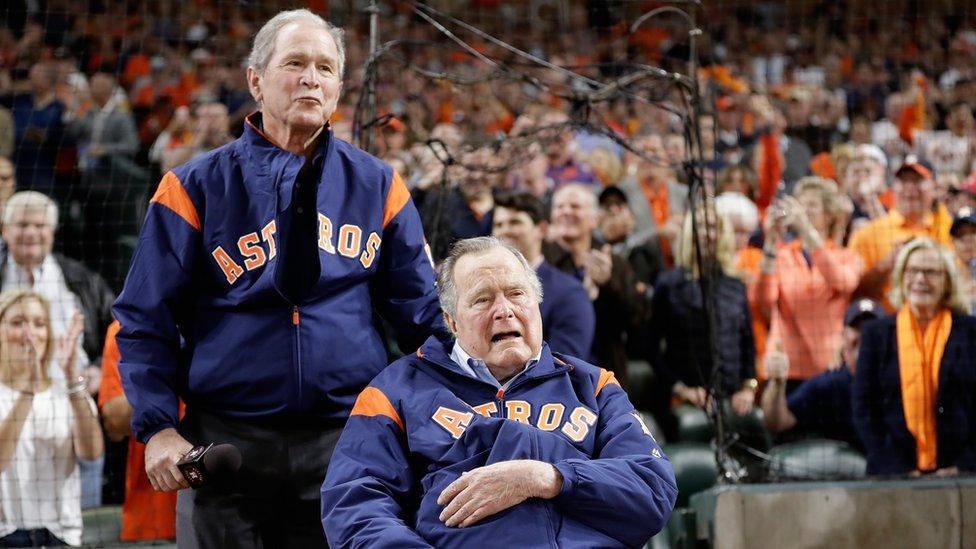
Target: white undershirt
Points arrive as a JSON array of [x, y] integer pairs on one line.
[[41, 487]]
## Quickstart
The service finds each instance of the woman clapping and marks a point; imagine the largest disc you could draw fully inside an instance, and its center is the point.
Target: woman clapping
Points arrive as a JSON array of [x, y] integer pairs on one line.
[[44, 430]]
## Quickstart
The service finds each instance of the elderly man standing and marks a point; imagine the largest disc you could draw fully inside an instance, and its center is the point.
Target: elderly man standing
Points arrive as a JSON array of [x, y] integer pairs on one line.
[[488, 438], [268, 258]]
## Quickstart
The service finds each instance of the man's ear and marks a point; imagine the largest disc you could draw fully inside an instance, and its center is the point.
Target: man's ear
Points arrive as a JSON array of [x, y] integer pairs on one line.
[[543, 229], [451, 324], [254, 83]]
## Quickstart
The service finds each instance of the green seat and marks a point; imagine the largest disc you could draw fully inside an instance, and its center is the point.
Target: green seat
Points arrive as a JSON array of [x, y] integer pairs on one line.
[[693, 424], [694, 468], [639, 380], [816, 459], [749, 428], [102, 525]]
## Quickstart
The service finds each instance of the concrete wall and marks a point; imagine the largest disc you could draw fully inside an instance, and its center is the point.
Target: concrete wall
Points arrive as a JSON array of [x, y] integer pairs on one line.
[[910, 514]]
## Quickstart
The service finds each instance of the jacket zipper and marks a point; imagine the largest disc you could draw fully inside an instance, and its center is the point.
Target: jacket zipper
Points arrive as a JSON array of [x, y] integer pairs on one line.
[[296, 321], [500, 403]]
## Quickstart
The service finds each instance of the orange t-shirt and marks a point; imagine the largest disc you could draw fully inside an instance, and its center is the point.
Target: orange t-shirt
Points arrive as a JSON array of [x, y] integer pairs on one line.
[[146, 513]]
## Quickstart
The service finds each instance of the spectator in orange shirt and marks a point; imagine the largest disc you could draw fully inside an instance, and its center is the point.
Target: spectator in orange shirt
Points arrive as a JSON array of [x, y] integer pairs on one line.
[[915, 214], [806, 284], [656, 198], [146, 514]]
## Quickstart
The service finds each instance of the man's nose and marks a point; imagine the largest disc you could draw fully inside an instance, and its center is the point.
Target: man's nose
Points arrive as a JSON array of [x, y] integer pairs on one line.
[[310, 77], [503, 308]]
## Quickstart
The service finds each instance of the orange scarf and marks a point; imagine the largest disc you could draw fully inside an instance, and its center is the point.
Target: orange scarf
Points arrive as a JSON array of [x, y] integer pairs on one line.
[[919, 359], [660, 204]]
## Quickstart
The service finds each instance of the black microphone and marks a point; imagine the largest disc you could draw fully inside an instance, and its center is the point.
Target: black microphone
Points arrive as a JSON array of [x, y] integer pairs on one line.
[[210, 464]]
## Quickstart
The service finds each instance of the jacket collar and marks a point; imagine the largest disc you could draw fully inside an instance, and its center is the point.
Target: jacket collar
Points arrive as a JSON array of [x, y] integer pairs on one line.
[[437, 351], [265, 149], [272, 165]]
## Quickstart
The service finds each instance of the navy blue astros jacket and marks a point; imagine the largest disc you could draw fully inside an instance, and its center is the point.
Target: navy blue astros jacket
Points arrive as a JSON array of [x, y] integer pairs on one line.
[[422, 422], [205, 269]]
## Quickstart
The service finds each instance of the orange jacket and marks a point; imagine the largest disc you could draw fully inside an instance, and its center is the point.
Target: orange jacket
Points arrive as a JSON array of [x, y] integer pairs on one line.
[[806, 304]]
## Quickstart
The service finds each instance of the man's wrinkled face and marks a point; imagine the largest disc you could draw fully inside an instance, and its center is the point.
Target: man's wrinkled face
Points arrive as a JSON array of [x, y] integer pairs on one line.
[[29, 236], [497, 318], [299, 87], [574, 212]]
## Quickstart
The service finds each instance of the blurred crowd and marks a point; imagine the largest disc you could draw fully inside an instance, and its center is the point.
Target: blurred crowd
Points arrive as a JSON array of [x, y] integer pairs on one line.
[[836, 148]]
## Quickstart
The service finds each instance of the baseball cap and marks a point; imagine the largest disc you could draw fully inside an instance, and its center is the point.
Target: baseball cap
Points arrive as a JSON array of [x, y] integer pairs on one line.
[[914, 164], [967, 216], [861, 309], [612, 194]]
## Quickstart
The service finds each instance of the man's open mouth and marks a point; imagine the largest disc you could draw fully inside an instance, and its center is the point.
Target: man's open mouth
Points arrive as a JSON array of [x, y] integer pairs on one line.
[[505, 336]]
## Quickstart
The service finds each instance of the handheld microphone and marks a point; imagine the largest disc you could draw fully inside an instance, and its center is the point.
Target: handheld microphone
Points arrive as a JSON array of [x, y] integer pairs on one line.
[[210, 464]]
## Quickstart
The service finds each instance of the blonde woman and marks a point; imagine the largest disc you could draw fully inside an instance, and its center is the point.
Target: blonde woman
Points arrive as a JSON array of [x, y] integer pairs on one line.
[[913, 392], [685, 364], [805, 279], [44, 429]]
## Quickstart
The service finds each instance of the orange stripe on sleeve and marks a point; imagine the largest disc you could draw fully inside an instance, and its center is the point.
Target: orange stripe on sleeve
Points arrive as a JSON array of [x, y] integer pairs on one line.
[[396, 199], [606, 378], [172, 195], [372, 402]]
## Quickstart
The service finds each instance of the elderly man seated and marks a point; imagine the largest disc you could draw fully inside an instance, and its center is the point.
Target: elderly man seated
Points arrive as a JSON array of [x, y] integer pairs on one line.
[[491, 438]]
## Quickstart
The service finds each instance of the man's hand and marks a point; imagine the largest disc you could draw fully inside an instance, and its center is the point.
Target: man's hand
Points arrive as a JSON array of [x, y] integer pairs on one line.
[[742, 400], [777, 365], [599, 265], [488, 490], [163, 451], [696, 396]]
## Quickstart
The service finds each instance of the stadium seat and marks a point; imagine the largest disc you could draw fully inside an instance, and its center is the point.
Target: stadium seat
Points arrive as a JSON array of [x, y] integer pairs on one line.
[[693, 424], [102, 525], [816, 459], [750, 428], [694, 468], [639, 379]]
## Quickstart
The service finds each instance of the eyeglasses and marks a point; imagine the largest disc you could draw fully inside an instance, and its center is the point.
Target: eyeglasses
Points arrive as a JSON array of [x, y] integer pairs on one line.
[[928, 274]]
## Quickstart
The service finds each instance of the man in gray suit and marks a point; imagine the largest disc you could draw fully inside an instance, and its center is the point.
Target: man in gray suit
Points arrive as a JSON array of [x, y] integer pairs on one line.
[[107, 130]]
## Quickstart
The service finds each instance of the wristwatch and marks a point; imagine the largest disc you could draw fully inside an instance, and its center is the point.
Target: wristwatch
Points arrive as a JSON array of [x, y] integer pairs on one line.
[[750, 383]]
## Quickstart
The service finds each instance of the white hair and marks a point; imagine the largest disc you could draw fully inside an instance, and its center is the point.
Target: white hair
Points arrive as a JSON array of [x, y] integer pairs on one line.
[[265, 39], [737, 206], [447, 287], [30, 200]]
